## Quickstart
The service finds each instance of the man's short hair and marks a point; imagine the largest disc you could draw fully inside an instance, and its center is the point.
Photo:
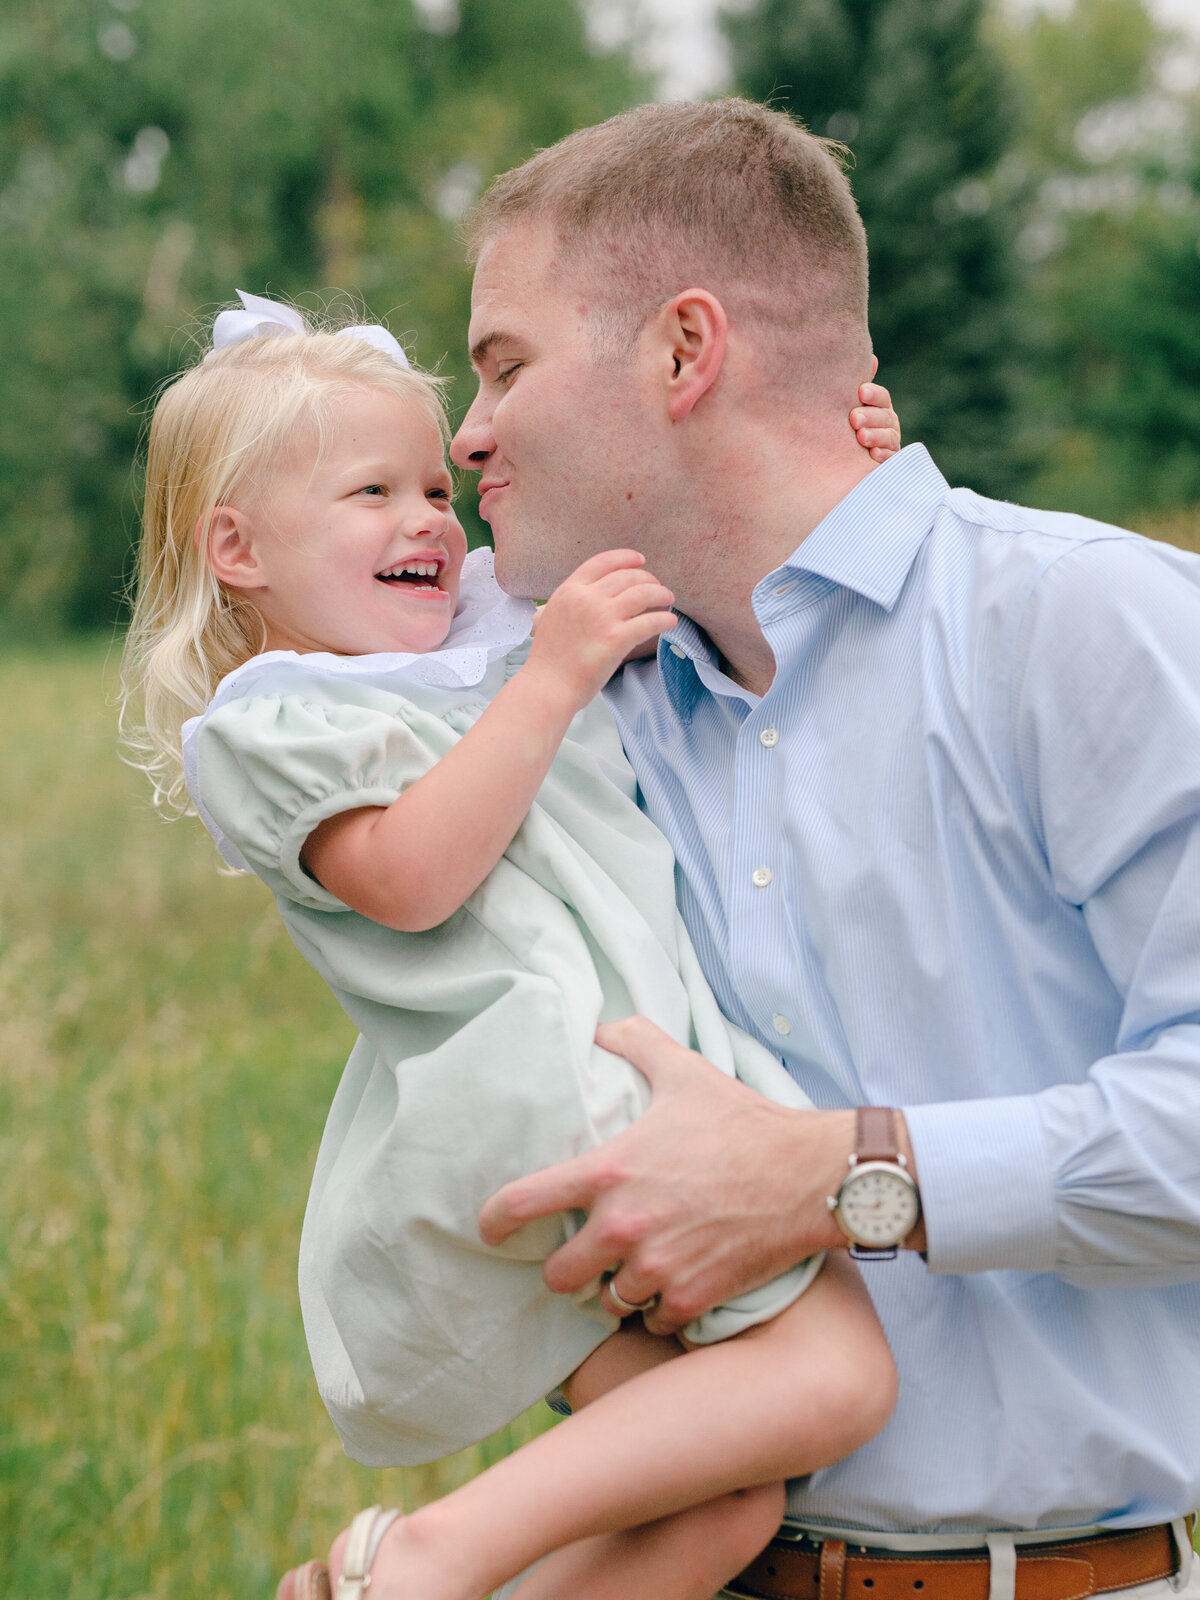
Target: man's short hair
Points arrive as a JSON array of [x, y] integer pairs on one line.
[[726, 195]]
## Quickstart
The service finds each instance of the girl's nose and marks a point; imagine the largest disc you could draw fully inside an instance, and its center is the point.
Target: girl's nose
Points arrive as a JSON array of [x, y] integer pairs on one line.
[[430, 523]]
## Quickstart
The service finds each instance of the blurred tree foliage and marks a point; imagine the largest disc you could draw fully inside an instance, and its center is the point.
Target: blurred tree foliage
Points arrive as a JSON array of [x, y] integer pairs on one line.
[[1030, 182], [918, 92], [156, 154], [1110, 140]]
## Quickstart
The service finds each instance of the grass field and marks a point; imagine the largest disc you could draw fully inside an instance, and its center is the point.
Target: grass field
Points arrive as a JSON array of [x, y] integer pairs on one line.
[[167, 1063], [167, 1060]]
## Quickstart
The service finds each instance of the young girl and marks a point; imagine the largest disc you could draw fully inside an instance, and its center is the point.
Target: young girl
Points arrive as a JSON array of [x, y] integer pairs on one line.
[[449, 828]]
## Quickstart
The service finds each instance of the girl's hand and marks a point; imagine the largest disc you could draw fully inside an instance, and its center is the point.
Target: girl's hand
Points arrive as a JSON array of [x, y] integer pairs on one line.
[[597, 618], [875, 424]]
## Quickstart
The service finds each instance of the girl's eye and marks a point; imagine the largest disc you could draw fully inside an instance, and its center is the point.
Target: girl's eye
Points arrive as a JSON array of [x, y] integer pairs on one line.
[[373, 488], [503, 374], [437, 494]]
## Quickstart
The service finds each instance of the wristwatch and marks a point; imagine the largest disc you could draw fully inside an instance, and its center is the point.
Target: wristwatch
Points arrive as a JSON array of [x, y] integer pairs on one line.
[[878, 1205]]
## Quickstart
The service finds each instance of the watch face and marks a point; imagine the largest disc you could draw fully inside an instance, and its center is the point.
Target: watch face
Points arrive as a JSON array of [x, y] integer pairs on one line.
[[878, 1205]]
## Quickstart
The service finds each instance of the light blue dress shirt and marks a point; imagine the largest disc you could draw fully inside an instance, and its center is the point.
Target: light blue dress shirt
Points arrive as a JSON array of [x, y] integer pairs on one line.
[[950, 861]]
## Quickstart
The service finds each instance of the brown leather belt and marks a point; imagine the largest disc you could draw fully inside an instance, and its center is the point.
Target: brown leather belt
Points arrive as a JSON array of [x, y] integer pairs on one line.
[[1101, 1562]]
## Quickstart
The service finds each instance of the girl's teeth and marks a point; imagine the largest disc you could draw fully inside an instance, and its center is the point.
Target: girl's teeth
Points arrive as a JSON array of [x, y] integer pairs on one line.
[[420, 569]]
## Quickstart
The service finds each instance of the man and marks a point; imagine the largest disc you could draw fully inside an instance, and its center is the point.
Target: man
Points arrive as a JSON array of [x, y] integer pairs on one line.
[[931, 769]]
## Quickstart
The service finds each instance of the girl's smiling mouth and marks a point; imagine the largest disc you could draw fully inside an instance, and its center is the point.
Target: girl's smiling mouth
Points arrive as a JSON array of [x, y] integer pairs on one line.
[[415, 573]]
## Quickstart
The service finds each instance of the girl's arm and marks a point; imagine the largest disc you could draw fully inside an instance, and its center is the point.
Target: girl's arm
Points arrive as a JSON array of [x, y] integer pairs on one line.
[[412, 864]]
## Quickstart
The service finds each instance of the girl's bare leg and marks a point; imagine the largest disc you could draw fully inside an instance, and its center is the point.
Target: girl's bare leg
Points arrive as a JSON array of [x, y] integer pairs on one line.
[[687, 1556], [780, 1400]]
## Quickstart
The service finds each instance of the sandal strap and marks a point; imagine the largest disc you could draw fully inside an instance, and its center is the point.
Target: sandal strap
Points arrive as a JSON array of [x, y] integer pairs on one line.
[[309, 1582], [362, 1544]]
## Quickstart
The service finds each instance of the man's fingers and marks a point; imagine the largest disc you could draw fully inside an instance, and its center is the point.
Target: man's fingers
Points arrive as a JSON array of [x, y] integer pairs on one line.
[[568, 1187], [654, 1053], [662, 1320], [623, 1299], [586, 1256]]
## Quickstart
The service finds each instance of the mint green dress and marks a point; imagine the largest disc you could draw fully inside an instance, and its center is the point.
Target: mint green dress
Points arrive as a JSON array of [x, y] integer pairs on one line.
[[476, 1061]]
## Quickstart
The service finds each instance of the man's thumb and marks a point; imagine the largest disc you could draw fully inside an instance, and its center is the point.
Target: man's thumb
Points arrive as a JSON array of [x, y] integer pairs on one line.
[[654, 1053]]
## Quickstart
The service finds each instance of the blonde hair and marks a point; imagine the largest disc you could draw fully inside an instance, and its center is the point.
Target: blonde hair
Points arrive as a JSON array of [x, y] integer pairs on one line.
[[217, 435], [728, 195]]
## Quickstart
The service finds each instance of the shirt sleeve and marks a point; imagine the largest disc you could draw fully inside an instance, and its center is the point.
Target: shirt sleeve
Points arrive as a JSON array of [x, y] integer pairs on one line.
[[272, 767], [1099, 1181]]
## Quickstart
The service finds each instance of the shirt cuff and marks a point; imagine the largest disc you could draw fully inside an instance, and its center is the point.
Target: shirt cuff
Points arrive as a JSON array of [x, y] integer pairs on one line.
[[987, 1188]]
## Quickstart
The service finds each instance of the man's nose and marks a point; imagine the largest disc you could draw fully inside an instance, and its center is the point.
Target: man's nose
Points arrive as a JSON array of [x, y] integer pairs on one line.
[[473, 443]]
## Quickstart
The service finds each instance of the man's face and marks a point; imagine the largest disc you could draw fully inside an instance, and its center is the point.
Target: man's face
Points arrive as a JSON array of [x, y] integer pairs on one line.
[[562, 442]]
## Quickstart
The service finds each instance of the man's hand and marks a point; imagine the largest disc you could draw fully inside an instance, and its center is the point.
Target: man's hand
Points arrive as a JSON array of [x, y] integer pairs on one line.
[[713, 1191]]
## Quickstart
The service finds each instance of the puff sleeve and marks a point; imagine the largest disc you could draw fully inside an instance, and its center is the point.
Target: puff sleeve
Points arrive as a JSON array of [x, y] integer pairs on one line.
[[271, 767]]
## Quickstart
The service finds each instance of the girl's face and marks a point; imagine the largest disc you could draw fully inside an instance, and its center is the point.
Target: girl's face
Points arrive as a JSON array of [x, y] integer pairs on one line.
[[361, 553]]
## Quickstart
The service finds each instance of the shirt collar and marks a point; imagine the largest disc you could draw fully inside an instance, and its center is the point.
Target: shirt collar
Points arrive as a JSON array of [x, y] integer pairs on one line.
[[688, 646], [870, 539], [867, 543]]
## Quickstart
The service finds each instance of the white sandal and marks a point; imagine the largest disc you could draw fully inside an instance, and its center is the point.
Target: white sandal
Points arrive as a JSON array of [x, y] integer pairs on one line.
[[362, 1545]]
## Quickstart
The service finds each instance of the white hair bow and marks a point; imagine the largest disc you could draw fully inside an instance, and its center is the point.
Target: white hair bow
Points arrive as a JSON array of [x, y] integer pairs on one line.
[[268, 319]]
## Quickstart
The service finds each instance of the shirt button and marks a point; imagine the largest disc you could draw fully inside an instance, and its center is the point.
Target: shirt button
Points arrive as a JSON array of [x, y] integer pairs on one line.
[[761, 877], [784, 587], [678, 650], [781, 1023], [769, 737]]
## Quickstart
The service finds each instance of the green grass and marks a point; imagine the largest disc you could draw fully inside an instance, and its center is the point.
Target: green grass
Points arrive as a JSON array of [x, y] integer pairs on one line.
[[167, 1060]]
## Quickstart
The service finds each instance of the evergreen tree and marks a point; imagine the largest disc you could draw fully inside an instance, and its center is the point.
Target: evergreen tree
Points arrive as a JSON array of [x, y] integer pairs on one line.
[[916, 92]]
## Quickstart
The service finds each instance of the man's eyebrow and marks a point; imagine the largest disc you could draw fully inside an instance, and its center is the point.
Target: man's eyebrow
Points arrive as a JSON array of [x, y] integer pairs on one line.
[[482, 348]]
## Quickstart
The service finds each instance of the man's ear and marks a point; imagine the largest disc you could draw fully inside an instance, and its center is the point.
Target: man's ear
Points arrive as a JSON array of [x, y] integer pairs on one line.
[[695, 329], [229, 549]]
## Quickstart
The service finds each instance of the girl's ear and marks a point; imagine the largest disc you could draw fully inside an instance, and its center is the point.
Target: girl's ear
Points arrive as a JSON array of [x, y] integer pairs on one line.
[[229, 549]]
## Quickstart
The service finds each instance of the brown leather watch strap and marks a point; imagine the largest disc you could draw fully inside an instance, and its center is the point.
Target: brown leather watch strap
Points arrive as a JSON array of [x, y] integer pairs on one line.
[[1072, 1570], [875, 1134]]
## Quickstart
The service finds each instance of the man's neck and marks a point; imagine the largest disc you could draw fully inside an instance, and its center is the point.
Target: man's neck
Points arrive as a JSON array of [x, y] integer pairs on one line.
[[743, 538]]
